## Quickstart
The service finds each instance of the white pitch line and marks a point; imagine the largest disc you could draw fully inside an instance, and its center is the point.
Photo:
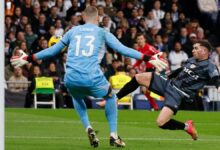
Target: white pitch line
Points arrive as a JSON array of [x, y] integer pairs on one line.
[[94, 122], [102, 138]]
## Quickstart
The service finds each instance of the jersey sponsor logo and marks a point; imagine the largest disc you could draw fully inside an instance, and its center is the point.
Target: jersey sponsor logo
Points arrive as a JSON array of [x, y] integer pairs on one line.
[[191, 73], [192, 66]]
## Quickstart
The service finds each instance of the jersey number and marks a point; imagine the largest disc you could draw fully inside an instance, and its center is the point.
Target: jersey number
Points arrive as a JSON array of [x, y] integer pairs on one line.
[[89, 44]]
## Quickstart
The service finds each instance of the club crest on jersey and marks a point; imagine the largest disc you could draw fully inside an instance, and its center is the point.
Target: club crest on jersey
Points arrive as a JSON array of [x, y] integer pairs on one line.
[[192, 66]]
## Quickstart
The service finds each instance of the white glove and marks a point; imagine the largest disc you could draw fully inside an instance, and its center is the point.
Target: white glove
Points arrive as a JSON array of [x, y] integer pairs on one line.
[[18, 61], [158, 62]]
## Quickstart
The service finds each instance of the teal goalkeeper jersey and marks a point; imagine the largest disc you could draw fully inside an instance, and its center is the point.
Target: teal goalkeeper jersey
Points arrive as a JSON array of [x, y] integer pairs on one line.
[[86, 47]]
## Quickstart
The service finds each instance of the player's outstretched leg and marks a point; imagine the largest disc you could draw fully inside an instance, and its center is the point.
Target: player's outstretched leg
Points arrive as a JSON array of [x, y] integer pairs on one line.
[[81, 109], [111, 113], [191, 130]]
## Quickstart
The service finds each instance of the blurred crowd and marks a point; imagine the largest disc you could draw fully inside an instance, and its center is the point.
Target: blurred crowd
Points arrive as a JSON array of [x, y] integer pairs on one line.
[[171, 26]]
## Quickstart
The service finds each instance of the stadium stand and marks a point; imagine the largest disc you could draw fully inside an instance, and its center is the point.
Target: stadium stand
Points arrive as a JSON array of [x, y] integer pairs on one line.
[[30, 24]]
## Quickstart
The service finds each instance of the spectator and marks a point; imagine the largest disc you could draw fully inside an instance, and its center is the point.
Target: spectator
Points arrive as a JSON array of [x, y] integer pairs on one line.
[[111, 68], [9, 26], [159, 43], [53, 16], [142, 26], [42, 26], [141, 13], [61, 8], [108, 24], [188, 46], [152, 21], [127, 63], [200, 34], [19, 81], [183, 36], [193, 26], [93, 3], [158, 13], [174, 12], [23, 46], [45, 7], [24, 21], [27, 8], [215, 57], [35, 72], [182, 21], [121, 36], [36, 14], [177, 57], [133, 21], [17, 15], [119, 17], [74, 21], [132, 35], [8, 71], [59, 31], [101, 13], [10, 38], [169, 29], [128, 9], [109, 9], [30, 37], [52, 31], [6, 50], [119, 79], [73, 9], [19, 38], [151, 35], [167, 18]]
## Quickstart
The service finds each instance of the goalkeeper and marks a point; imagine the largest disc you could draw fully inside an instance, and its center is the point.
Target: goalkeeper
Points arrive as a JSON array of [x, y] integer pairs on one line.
[[83, 74], [182, 84]]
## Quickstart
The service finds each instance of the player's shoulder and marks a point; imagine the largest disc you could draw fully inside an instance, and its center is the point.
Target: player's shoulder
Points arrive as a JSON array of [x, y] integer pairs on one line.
[[191, 60], [211, 64]]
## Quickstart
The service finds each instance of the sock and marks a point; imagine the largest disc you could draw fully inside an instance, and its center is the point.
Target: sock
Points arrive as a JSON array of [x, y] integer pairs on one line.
[[128, 88], [114, 135], [111, 113], [87, 128], [151, 101], [173, 125], [81, 109]]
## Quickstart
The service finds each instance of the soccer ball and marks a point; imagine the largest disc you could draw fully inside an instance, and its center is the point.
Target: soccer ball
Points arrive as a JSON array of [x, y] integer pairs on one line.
[[53, 40]]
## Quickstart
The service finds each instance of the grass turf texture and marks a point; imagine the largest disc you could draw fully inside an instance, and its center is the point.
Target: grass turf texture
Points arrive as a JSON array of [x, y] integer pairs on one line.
[[47, 129]]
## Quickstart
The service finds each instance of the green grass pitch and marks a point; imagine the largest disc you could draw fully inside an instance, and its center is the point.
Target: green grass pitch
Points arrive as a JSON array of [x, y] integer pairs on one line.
[[47, 129]]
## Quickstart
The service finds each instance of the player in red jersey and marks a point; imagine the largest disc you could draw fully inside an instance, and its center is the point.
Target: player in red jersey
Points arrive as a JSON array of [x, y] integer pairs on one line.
[[149, 50]]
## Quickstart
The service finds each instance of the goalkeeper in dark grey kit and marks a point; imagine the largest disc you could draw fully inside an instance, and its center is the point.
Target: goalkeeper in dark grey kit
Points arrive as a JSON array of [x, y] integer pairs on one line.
[[182, 84]]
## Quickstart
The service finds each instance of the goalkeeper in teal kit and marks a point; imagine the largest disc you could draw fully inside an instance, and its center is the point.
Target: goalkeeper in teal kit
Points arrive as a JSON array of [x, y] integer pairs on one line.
[[83, 74]]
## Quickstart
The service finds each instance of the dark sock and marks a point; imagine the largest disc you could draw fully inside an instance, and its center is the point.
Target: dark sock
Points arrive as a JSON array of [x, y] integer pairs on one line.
[[128, 88], [173, 125]]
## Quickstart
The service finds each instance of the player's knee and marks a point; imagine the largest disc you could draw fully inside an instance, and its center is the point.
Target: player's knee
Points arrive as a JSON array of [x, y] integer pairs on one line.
[[160, 122], [144, 78]]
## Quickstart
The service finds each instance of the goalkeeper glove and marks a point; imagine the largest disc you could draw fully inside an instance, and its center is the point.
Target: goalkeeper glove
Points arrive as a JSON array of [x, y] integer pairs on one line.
[[22, 59], [157, 61]]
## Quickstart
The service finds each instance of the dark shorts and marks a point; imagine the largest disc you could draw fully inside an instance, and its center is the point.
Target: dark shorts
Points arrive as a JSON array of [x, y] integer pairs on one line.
[[163, 87]]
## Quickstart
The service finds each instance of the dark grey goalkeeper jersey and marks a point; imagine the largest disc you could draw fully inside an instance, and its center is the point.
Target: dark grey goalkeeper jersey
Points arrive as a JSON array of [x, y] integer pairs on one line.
[[194, 75]]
